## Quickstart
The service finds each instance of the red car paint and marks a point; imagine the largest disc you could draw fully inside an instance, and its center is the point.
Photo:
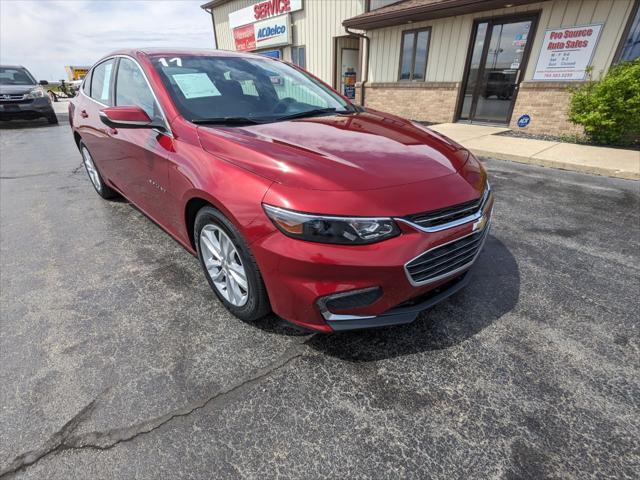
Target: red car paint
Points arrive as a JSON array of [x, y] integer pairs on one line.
[[365, 164]]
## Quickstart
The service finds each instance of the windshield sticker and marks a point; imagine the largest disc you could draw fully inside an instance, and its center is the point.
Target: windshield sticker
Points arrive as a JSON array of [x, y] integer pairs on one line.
[[176, 60], [196, 85]]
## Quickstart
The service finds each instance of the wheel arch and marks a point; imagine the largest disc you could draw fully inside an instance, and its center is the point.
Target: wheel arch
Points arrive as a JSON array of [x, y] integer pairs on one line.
[[77, 138], [197, 200], [192, 207]]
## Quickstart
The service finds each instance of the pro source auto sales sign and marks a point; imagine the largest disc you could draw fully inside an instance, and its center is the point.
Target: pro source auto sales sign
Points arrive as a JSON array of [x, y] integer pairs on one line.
[[566, 53]]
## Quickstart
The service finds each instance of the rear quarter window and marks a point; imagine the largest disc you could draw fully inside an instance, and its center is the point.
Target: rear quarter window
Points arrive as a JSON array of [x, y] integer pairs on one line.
[[101, 82], [86, 84]]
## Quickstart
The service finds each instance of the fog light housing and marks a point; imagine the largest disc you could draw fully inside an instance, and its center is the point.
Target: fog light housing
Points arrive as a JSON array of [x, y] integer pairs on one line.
[[347, 300]]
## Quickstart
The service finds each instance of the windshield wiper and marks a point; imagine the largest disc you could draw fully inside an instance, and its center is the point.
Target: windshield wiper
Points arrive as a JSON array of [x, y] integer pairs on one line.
[[225, 121], [311, 113]]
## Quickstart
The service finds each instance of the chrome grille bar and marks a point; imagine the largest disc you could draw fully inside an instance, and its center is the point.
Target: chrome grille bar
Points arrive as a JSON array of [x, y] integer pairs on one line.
[[446, 260], [449, 217]]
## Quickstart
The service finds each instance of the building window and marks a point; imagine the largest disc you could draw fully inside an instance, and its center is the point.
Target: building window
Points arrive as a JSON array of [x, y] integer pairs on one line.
[[414, 51], [297, 57], [376, 4], [630, 47]]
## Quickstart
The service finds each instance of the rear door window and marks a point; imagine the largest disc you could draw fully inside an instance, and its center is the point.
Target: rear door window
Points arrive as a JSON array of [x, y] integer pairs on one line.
[[101, 82]]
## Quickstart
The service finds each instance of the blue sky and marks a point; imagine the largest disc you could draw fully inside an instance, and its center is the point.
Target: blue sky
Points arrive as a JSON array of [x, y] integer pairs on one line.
[[46, 35]]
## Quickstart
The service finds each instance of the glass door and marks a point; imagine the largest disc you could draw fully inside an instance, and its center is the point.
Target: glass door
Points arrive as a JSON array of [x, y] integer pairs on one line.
[[496, 64]]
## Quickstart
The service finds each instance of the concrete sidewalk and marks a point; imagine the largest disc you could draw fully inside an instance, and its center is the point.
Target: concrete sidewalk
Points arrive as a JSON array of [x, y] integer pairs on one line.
[[483, 141]]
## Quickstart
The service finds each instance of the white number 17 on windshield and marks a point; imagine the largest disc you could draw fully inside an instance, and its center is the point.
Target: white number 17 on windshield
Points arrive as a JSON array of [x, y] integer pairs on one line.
[[176, 60]]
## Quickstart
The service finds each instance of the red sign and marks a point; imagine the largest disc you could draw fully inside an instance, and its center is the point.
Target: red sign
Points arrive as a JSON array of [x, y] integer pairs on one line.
[[245, 38], [269, 8]]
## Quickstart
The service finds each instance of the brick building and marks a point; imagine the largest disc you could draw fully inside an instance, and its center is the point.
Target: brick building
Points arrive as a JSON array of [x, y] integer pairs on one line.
[[507, 62]]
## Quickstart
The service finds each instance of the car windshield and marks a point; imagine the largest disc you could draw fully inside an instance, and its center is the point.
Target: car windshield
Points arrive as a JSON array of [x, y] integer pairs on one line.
[[244, 90], [15, 76]]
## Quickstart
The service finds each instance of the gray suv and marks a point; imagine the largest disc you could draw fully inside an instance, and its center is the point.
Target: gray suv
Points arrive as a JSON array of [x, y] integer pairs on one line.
[[21, 97]]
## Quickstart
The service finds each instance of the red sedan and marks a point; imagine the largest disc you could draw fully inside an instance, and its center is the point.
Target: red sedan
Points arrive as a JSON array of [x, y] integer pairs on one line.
[[295, 200]]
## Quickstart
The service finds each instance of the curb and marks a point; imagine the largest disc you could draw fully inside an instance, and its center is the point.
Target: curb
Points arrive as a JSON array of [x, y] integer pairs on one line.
[[573, 167]]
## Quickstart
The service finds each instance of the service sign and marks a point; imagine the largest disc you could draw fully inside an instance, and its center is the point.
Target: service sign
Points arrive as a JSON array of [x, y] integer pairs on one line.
[[262, 11], [567, 52], [268, 33]]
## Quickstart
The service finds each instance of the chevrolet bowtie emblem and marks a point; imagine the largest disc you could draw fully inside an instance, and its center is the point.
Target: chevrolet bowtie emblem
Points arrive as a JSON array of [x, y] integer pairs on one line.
[[480, 223]]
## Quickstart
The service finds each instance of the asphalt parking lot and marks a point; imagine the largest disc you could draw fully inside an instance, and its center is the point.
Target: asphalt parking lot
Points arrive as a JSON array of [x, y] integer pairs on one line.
[[117, 361]]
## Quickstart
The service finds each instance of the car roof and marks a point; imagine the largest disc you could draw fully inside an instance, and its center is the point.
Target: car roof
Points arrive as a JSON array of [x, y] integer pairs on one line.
[[134, 52], [12, 66]]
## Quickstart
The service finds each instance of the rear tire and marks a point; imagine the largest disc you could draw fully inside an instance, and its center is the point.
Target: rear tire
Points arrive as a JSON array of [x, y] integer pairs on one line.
[[94, 175], [224, 265]]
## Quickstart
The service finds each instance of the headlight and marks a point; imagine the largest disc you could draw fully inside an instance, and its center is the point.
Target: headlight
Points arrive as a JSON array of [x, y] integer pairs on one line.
[[329, 229], [37, 92]]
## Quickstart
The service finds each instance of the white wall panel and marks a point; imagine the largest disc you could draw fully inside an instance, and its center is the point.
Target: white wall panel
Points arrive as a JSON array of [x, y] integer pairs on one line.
[[450, 37], [315, 27]]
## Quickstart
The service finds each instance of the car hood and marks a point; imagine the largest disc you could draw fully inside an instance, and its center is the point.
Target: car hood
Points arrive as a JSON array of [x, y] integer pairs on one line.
[[362, 151], [16, 89]]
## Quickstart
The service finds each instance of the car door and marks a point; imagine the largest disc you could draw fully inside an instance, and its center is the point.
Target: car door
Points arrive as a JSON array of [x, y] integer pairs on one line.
[[96, 94], [141, 156]]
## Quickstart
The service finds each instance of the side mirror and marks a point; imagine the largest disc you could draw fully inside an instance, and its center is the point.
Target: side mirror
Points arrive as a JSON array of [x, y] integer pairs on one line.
[[127, 117], [43, 82]]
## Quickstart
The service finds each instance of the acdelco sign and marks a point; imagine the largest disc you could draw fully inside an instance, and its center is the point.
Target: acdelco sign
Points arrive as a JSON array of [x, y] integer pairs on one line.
[[272, 32], [262, 11], [265, 33]]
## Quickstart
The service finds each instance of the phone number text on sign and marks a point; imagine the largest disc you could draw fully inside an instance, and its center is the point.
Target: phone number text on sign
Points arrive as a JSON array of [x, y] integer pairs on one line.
[[567, 52]]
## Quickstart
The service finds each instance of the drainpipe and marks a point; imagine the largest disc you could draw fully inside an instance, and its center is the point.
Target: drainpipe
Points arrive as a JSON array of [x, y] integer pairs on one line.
[[209, 10], [365, 67]]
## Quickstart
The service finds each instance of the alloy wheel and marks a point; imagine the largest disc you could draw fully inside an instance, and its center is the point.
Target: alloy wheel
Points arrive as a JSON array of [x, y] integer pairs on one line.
[[224, 265], [91, 169]]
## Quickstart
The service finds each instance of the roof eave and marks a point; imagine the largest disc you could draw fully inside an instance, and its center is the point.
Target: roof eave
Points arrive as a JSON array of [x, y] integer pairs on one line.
[[420, 13], [213, 3]]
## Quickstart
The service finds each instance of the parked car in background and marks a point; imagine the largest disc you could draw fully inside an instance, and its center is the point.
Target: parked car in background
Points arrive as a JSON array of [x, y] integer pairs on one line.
[[22, 97], [294, 199]]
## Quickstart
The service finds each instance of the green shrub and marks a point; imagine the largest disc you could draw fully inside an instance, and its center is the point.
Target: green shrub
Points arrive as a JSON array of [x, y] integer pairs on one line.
[[609, 109]]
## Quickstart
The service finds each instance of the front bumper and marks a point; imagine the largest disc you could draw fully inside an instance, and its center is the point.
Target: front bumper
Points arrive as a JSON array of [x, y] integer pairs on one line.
[[299, 275], [26, 109], [403, 313]]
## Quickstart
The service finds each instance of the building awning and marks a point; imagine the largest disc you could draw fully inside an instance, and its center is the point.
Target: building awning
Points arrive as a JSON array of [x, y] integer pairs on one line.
[[410, 11]]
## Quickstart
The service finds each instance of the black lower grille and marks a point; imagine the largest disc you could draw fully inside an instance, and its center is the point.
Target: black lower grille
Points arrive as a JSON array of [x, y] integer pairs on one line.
[[441, 261], [357, 299]]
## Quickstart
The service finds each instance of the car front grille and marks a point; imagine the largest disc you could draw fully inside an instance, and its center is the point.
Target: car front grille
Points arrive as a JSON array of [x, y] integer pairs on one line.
[[447, 259], [10, 97], [446, 217]]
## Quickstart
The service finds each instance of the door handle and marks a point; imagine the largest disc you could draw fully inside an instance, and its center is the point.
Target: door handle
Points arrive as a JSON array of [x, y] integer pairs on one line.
[[84, 114]]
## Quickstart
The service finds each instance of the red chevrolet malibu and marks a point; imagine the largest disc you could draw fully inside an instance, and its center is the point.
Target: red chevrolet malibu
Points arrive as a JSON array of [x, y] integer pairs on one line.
[[295, 200]]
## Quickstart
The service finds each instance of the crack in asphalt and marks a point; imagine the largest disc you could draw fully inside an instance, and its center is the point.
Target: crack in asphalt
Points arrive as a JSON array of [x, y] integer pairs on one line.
[[17, 177], [67, 439]]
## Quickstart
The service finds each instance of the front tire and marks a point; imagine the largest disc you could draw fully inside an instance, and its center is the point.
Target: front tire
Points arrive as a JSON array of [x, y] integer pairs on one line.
[[94, 175], [229, 266]]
